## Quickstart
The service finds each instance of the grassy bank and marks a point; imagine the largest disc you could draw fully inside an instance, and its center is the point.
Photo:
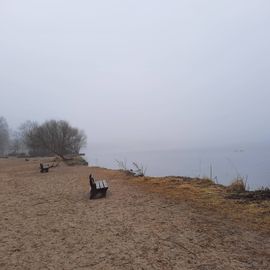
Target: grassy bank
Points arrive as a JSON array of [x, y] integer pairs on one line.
[[248, 208]]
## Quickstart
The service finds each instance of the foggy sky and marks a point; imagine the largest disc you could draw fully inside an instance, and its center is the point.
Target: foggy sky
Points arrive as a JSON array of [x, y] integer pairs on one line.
[[176, 72]]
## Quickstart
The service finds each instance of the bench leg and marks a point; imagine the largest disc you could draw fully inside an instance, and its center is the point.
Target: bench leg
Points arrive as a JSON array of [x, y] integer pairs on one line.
[[92, 194], [103, 193], [100, 193]]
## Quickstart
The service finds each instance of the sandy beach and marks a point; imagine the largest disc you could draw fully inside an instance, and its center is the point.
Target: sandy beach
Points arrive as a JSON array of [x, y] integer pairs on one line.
[[48, 222]]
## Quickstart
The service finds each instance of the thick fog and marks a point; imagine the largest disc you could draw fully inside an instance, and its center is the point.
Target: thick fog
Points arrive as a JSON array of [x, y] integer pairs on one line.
[[171, 73]]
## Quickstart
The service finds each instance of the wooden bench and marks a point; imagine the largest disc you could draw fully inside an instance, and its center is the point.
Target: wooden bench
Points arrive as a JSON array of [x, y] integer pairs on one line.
[[44, 168], [97, 187]]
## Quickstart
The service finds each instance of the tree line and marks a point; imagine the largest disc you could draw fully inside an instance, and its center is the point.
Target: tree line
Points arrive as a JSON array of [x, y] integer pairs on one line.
[[49, 138]]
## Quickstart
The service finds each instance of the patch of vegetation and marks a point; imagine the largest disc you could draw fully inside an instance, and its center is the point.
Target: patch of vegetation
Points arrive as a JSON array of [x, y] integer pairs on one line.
[[250, 208], [238, 185], [122, 164], [256, 195], [75, 161], [138, 170]]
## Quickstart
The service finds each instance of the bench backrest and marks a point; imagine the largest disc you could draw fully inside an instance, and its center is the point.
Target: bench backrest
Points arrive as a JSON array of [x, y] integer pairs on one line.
[[92, 181]]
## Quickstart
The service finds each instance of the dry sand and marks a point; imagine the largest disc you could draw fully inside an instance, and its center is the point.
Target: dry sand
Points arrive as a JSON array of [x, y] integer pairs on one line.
[[48, 222]]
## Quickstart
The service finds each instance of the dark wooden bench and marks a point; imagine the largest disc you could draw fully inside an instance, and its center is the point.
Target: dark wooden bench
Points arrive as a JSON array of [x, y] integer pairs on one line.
[[97, 187], [44, 168]]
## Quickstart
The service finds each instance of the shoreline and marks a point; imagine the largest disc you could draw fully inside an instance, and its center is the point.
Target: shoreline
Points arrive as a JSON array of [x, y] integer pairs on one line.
[[144, 222], [226, 164]]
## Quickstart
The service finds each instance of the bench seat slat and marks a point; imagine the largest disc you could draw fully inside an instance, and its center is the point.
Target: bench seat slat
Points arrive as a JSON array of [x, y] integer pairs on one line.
[[100, 184], [105, 184]]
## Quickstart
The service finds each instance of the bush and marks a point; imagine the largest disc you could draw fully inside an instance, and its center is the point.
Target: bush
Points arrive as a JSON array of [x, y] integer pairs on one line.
[[75, 161]]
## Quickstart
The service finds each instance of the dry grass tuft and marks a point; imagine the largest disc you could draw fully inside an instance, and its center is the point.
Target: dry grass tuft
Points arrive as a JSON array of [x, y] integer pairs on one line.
[[238, 185]]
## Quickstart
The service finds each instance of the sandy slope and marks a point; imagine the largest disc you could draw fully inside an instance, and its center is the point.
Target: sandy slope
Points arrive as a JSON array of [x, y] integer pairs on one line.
[[48, 222]]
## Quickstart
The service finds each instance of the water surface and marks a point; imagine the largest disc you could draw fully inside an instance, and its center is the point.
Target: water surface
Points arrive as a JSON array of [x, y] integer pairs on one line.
[[223, 164]]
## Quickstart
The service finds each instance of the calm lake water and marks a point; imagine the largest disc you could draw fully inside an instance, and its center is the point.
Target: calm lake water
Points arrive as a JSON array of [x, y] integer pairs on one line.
[[252, 163]]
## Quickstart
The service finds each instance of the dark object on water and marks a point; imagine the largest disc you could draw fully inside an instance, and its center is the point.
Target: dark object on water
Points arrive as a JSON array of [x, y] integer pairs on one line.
[[97, 187]]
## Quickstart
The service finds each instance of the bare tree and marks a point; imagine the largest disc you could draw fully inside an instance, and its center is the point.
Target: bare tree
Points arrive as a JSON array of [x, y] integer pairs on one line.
[[56, 137], [28, 132], [4, 136], [16, 144]]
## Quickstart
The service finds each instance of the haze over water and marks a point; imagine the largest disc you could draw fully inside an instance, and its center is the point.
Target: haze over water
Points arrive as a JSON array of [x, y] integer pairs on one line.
[[143, 76]]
